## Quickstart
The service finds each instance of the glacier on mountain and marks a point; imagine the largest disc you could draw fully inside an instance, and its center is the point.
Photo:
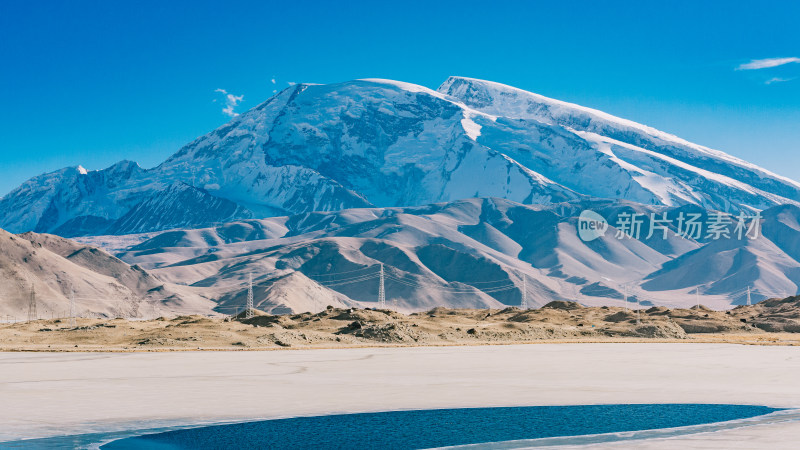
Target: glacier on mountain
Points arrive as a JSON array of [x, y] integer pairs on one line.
[[383, 143]]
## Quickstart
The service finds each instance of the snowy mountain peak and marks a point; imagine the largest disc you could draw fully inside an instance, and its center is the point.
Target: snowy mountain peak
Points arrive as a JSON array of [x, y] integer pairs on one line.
[[518, 103], [508, 101], [124, 166], [386, 143]]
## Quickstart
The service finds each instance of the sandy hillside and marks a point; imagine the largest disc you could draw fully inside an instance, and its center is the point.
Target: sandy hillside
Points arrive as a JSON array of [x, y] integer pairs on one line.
[[51, 269]]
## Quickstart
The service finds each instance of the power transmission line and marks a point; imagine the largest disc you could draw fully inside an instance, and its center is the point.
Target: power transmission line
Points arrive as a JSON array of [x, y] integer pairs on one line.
[[349, 280], [417, 284], [368, 273], [338, 273]]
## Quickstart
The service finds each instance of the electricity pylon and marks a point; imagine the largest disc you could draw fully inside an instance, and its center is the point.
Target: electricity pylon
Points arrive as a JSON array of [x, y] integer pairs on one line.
[[32, 305], [638, 310], [625, 294], [524, 304], [249, 312], [748, 296], [72, 309], [381, 291]]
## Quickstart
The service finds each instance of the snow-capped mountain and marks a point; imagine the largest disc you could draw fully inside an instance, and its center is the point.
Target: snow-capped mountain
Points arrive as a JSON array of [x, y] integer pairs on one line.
[[385, 143]]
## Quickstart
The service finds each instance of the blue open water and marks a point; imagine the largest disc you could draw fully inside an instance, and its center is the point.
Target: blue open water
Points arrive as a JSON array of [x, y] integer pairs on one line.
[[438, 428]]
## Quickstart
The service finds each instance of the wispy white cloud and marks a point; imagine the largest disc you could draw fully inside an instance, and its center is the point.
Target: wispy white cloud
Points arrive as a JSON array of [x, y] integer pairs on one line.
[[231, 101], [767, 63], [291, 83], [777, 80], [273, 80]]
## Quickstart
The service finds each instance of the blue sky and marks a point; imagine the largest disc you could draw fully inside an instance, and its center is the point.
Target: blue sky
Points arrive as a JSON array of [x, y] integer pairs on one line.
[[92, 83]]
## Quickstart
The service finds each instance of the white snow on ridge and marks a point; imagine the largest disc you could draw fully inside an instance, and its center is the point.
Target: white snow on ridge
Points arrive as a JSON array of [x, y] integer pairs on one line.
[[472, 129], [517, 107], [606, 142], [410, 87], [658, 183]]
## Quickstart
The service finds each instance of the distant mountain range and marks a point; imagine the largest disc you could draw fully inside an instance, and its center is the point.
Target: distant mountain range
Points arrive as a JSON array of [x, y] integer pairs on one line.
[[472, 253], [382, 143]]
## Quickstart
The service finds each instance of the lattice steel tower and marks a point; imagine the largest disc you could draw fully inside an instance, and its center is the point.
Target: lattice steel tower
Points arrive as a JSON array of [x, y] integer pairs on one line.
[[524, 304], [72, 321], [381, 291], [249, 312], [32, 315]]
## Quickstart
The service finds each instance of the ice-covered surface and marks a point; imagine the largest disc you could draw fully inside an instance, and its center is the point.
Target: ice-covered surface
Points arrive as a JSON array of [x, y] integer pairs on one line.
[[56, 394], [388, 143]]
